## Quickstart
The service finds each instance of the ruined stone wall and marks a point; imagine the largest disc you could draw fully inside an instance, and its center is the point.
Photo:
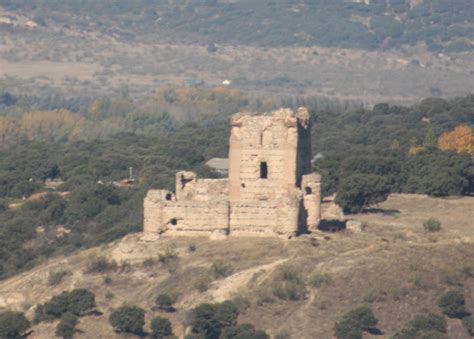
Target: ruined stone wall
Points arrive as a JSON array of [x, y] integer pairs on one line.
[[196, 216], [277, 142], [189, 187], [162, 215], [280, 216], [311, 188], [269, 191]]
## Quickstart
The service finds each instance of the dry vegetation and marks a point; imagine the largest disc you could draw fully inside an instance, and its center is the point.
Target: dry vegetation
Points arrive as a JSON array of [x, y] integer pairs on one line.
[[301, 287], [68, 58]]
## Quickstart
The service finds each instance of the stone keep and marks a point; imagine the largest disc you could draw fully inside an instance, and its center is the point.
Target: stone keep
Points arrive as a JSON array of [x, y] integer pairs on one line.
[[270, 188]]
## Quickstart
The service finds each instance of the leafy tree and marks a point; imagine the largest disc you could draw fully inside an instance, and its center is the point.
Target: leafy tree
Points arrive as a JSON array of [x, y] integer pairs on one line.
[[210, 319], [128, 319], [161, 328], [359, 191], [77, 302], [67, 326], [13, 324], [354, 322], [165, 302], [452, 303], [461, 140], [347, 329]]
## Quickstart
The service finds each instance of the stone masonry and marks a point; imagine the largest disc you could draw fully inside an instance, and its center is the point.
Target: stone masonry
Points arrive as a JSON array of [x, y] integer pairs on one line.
[[270, 188]]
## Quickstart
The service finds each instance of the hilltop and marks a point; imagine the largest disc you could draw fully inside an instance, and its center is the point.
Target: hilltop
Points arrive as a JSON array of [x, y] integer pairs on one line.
[[394, 266]]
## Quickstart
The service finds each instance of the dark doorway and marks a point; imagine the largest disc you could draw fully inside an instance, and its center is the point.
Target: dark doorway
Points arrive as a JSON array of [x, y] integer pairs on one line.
[[263, 170]]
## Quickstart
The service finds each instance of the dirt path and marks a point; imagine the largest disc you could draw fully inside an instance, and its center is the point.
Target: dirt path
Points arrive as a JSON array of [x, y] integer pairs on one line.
[[224, 289]]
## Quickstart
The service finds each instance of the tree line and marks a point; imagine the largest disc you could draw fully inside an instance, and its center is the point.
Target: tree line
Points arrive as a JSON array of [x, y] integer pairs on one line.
[[363, 154]]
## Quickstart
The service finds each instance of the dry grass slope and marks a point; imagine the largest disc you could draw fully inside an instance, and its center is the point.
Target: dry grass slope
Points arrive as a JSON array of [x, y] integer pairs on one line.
[[394, 266]]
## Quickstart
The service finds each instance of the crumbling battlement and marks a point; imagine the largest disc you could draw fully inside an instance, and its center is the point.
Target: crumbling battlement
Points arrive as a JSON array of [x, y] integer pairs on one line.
[[270, 189]]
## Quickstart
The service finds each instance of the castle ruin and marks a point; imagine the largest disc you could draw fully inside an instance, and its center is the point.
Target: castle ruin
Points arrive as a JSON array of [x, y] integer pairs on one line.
[[270, 188]]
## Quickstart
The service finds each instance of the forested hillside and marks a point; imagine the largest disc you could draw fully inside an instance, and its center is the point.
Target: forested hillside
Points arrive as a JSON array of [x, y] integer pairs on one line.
[[91, 144], [444, 25], [395, 51]]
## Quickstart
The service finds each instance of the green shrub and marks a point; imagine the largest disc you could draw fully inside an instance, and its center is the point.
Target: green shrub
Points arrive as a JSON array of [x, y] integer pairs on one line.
[[361, 190], [468, 323], [192, 248], [288, 284], [77, 302], [128, 319], [210, 319], [432, 225], [354, 322], [244, 331], [161, 328], [220, 269], [13, 324], [452, 304], [67, 326], [318, 279], [168, 255], [202, 283], [100, 265], [55, 278], [423, 325], [165, 302]]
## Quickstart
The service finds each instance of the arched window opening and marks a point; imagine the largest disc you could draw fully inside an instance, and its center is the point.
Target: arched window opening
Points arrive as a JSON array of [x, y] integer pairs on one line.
[[308, 190]]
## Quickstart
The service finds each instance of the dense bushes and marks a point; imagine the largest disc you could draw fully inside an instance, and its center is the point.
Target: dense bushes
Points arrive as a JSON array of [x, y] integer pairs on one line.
[[160, 328], [354, 322], [67, 326], [211, 319], [128, 319], [423, 325], [361, 190], [452, 304], [165, 302], [77, 302], [13, 325]]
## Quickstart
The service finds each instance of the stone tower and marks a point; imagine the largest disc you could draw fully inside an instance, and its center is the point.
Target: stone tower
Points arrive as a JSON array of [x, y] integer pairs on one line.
[[270, 189]]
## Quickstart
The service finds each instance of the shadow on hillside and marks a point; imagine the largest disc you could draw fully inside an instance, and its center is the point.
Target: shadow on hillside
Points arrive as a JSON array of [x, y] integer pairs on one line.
[[381, 211], [375, 331], [332, 225]]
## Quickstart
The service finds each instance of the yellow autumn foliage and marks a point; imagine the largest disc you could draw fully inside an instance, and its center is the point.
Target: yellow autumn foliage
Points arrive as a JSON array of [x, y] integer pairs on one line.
[[8, 129], [461, 140], [56, 125]]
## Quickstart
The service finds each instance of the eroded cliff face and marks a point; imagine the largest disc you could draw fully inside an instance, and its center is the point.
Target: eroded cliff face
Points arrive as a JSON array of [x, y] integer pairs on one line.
[[270, 189]]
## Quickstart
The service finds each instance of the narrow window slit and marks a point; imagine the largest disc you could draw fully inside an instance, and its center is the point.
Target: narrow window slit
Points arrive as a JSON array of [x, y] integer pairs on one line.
[[263, 170]]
